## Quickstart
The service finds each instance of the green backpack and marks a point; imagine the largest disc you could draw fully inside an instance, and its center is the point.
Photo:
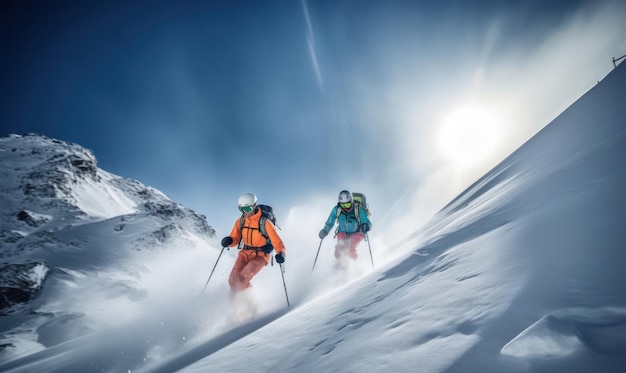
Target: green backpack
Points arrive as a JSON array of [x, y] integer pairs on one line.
[[360, 200]]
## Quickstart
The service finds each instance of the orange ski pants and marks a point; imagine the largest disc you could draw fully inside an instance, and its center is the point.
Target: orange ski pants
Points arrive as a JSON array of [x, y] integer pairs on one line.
[[247, 265]]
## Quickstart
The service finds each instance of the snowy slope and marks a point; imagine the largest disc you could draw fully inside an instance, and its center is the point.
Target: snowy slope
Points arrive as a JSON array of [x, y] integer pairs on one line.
[[522, 272]]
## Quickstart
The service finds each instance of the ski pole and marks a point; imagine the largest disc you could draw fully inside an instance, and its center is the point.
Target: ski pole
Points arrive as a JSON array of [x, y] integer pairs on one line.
[[282, 273], [218, 259], [370, 247], [318, 253]]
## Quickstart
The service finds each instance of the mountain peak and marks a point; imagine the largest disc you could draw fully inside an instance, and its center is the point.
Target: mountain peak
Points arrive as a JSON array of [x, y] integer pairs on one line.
[[53, 192]]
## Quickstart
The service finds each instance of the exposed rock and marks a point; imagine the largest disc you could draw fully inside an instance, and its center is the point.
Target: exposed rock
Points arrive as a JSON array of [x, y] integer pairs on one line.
[[20, 283], [29, 219], [10, 237]]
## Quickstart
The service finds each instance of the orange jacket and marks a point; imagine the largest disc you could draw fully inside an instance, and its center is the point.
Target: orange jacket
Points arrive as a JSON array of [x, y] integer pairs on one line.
[[251, 235]]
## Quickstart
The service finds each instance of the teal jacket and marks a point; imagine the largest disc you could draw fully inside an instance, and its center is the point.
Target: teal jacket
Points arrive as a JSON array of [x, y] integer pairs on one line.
[[347, 221]]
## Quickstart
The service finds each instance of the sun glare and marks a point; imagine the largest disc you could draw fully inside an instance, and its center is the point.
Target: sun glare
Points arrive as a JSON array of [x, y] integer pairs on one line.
[[468, 135]]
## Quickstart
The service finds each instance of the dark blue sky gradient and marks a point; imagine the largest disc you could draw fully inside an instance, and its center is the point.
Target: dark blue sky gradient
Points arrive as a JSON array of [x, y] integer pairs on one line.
[[205, 100]]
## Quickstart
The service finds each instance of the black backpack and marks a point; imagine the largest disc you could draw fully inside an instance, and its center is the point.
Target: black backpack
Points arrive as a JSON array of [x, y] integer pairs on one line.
[[267, 212]]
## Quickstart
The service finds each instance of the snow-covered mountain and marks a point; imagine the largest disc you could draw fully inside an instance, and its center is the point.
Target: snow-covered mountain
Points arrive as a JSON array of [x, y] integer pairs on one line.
[[522, 272], [70, 229]]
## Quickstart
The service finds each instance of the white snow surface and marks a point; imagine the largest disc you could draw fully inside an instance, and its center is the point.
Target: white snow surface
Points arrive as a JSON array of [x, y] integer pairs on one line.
[[522, 272]]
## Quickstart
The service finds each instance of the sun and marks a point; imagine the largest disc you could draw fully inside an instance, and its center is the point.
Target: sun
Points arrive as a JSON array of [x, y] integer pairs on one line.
[[468, 135]]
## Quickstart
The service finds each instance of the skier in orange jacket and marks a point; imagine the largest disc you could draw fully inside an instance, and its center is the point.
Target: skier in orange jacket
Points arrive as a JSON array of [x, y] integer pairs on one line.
[[256, 250]]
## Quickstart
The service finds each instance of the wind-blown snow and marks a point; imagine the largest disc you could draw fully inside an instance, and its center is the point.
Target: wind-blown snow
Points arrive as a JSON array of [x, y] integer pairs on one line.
[[522, 272]]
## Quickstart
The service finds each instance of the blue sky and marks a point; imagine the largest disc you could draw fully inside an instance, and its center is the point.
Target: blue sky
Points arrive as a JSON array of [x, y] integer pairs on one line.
[[297, 100]]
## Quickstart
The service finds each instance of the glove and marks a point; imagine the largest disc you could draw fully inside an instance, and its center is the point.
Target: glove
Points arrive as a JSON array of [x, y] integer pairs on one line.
[[226, 241], [323, 234], [280, 259], [364, 228]]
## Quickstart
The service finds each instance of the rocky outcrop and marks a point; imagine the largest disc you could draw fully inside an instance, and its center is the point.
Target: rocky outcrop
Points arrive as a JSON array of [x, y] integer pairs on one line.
[[20, 283]]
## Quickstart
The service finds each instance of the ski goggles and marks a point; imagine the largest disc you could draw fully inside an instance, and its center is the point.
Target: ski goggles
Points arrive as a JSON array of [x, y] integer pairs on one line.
[[246, 209], [346, 205]]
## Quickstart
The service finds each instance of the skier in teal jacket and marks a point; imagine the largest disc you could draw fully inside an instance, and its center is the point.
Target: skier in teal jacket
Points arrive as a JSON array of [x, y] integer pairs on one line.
[[353, 223]]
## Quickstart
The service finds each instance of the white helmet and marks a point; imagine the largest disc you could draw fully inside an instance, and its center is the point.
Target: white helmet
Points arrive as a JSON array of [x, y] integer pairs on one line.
[[247, 200], [345, 196]]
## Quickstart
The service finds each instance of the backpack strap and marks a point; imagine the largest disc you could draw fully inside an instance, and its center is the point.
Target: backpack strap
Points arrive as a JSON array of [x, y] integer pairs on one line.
[[356, 211], [261, 228]]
